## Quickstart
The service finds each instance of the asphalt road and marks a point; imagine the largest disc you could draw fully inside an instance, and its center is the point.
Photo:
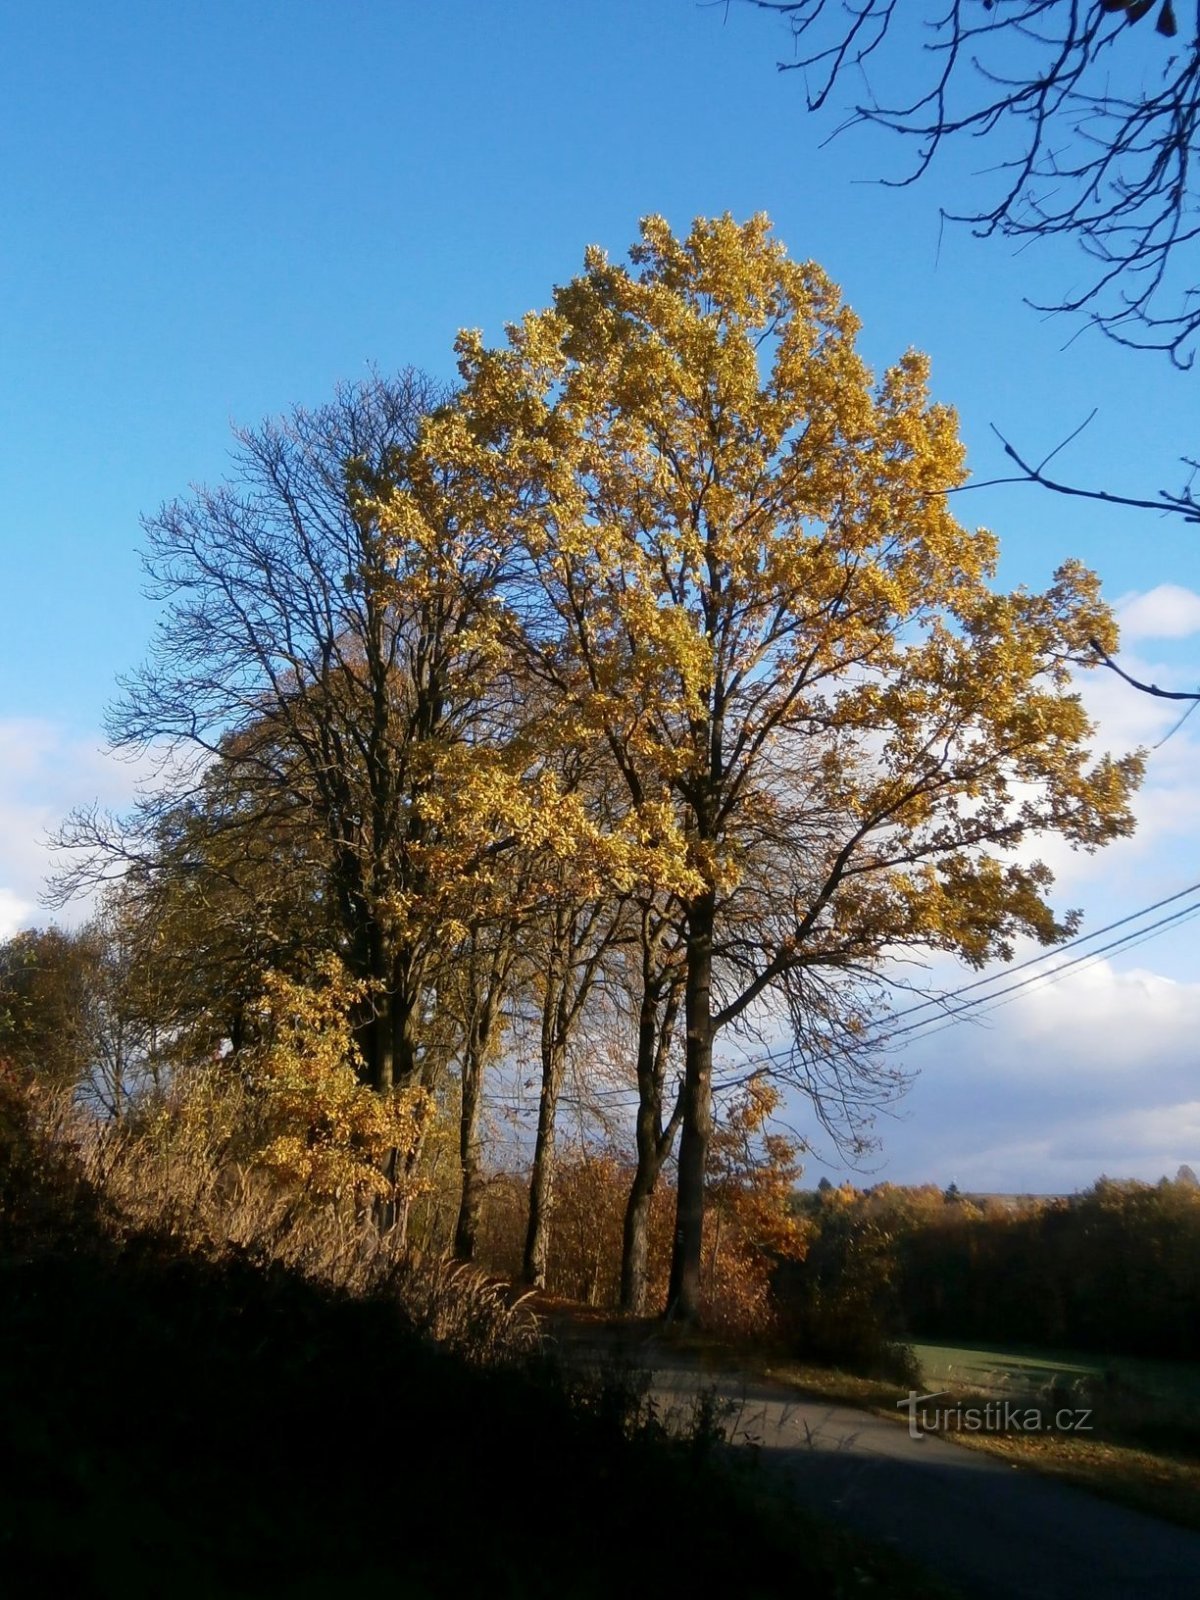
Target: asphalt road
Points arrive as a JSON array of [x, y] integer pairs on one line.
[[988, 1529]]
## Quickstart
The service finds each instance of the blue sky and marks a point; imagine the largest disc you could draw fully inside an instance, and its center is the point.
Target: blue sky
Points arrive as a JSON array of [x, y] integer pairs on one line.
[[215, 210]]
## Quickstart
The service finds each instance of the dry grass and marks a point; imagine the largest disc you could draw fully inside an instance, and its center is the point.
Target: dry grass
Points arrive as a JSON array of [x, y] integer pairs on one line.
[[1162, 1485], [175, 1176], [277, 1434]]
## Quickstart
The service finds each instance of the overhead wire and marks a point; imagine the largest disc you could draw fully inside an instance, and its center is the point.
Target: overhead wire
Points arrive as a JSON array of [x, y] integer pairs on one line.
[[984, 1003], [988, 1003]]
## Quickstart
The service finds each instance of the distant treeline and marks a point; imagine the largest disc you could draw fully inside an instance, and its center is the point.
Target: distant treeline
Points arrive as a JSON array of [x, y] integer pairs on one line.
[[1115, 1270]]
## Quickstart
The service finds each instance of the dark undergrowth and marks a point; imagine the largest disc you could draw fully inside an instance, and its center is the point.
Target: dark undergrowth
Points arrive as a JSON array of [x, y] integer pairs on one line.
[[184, 1424]]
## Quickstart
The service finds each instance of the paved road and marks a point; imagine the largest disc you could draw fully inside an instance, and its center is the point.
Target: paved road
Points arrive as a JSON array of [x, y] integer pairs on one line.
[[991, 1531]]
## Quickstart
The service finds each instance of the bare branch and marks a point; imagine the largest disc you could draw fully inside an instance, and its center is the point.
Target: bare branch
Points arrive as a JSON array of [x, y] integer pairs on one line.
[[1096, 129], [1184, 505], [1146, 688]]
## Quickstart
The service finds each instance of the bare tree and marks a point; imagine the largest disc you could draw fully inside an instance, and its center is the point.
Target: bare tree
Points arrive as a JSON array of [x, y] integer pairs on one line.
[[319, 661], [566, 965]]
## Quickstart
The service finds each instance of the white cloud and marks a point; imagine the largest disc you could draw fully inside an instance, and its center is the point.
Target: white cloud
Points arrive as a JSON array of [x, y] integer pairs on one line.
[[45, 771], [1166, 612], [1093, 1074], [15, 913]]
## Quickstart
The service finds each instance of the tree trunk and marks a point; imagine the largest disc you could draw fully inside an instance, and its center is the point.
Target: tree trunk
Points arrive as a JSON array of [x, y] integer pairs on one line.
[[375, 1025], [381, 1062], [579, 937], [635, 1244], [683, 1298], [653, 1142], [541, 1187], [406, 1011], [470, 1146]]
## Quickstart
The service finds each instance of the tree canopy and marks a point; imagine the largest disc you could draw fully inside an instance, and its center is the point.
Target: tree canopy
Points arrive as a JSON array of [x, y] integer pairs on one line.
[[652, 662], [742, 575]]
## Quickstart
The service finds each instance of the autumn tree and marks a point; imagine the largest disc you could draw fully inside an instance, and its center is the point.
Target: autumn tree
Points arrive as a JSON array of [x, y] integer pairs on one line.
[[752, 1228], [48, 979], [314, 1122], [78, 1010], [564, 958], [477, 983], [219, 891], [741, 575], [133, 1020], [753, 1172], [323, 667]]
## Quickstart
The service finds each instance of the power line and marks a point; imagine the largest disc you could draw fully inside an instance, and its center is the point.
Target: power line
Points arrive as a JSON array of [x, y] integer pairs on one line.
[[993, 1002], [1130, 939], [928, 1026], [1033, 961], [984, 1002]]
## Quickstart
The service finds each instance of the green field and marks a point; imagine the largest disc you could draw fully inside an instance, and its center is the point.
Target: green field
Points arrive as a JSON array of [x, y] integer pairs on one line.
[[1004, 1372]]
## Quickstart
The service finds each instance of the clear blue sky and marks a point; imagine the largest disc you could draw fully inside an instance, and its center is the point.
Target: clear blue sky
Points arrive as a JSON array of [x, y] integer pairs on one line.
[[214, 210]]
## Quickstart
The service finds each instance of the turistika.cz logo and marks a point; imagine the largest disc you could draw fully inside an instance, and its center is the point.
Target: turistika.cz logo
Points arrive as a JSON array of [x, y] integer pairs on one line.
[[994, 1416]]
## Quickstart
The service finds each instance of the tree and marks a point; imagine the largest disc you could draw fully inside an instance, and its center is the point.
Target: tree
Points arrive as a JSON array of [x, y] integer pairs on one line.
[[323, 674], [741, 574], [566, 961], [480, 978], [1093, 120], [48, 979], [223, 891], [753, 1228], [131, 1010], [78, 1010], [313, 1121], [1096, 129]]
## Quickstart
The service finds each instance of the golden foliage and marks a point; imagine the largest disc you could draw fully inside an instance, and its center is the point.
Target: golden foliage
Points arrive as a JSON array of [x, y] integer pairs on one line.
[[320, 1126], [750, 1226], [753, 1172], [753, 591]]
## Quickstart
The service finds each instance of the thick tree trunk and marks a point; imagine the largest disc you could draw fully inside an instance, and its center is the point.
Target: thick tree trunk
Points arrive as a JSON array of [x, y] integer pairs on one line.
[[653, 1142], [470, 1145], [635, 1244], [683, 1297], [541, 1186], [375, 1023], [381, 1061]]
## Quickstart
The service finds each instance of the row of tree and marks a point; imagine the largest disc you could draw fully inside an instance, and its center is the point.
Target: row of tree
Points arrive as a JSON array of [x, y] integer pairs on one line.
[[644, 680], [1114, 1270]]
